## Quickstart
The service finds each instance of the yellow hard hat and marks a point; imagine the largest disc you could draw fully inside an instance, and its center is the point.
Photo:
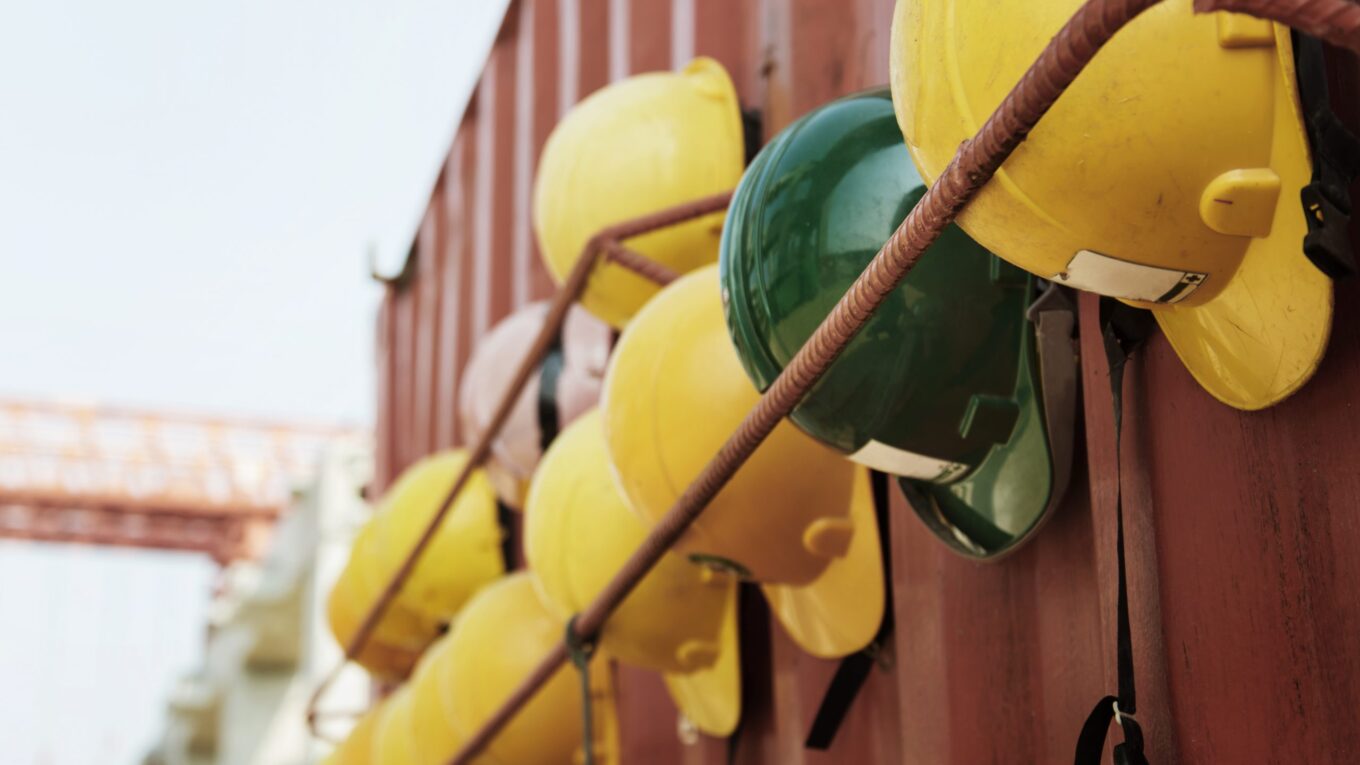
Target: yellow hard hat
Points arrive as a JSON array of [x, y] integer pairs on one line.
[[498, 639], [357, 748], [344, 612], [1168, 175], [465, 553], [393, 740], [400, 634], [637, 146], [680, 620], [797, 517], [437, 740]]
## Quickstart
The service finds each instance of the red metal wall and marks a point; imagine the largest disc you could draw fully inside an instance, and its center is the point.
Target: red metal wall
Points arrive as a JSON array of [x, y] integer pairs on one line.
[[1246, 596]]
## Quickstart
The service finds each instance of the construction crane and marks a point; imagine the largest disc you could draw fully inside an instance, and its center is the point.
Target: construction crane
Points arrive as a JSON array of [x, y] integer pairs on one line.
[[104, 475]]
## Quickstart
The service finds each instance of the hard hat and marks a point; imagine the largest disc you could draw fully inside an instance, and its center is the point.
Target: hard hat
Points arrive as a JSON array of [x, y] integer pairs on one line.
[[393, 740], [586, 345], [344, 611], [680, 620], [357, 748], [1168, 175], [436, 738], [566, 383], [497, 641], [796, 517], [635, 147], [464, 554], [941, 387], [400, 634]]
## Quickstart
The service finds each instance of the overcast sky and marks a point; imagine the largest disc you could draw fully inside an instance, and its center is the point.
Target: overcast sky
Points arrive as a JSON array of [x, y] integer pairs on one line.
[[187, 194], [189, 189]]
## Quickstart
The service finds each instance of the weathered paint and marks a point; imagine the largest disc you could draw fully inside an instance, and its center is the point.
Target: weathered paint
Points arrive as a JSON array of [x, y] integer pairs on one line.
[[1246, 601]]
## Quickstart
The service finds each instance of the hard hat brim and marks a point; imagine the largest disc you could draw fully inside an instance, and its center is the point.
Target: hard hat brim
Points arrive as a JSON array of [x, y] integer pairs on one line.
[[1264, 335], [839, 612], [711, 698], [1001, 504]]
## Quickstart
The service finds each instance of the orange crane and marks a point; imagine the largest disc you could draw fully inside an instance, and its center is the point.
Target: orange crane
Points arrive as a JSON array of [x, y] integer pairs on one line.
[[105, 475]]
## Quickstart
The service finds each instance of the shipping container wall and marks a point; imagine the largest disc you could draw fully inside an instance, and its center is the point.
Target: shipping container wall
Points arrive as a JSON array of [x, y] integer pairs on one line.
[[1245, 588]]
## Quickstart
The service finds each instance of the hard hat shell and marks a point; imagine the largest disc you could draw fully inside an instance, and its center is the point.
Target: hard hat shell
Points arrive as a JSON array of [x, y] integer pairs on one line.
[[586, 345], [498, 639], [393, 739], [792, 514], [1167, 175], [436, 738], [465, 553], [357, 747], [566, 383], [939, 385], [400, 635], [637, 146], [679, 620], [345, 608]]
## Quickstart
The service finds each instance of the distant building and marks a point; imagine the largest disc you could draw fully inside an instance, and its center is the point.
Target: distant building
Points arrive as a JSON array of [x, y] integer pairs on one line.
[[267, 640]]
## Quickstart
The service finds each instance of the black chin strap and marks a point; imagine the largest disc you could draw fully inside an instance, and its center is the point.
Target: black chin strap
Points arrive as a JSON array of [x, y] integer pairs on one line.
[[747, 653], [505, 518], [854, 669], [1123, 329], [548, 373], [1336, 162], [734, 741]]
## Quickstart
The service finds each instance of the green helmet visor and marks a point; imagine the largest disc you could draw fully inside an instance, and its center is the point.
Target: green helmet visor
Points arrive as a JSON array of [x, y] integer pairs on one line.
[[941, 385]]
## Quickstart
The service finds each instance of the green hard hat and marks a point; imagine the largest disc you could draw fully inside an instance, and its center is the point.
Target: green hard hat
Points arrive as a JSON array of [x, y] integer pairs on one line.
[[943, 386]]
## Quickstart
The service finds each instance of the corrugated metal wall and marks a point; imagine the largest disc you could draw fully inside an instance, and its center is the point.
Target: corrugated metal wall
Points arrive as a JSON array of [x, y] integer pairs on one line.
[[1246, 588]]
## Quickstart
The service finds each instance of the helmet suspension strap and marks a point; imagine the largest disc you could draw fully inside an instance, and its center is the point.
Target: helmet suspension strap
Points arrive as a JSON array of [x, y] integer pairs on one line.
[[1124, 329], [549, 419], [1336, 162], [580, 651]]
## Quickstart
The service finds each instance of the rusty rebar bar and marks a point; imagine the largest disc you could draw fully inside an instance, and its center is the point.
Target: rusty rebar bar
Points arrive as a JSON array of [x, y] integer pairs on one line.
[[1333, 21], [616, 252], [606, 240]]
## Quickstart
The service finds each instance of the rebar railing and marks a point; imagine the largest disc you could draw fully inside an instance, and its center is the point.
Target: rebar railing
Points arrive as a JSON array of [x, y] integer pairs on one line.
[[605, 245], [977, 160]]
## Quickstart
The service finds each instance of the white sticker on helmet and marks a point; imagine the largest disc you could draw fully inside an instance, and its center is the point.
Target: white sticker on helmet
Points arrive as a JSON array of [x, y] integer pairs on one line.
[[1123, 279], [890, 459]]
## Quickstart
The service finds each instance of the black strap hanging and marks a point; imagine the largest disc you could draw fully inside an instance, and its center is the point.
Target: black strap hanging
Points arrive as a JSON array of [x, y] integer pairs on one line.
[[506, 518], [549, 419], [1124, 329], [752, 133], [580, 652], [854, 669], [747, 653], [1336, 163], [734, 741]]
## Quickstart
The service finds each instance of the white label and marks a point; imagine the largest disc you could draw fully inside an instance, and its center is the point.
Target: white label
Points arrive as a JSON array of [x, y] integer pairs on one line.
[[890, 459], [1117, 278]]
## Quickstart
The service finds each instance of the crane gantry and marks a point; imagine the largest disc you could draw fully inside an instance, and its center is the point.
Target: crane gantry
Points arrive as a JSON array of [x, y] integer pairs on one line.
[[108, 475]]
